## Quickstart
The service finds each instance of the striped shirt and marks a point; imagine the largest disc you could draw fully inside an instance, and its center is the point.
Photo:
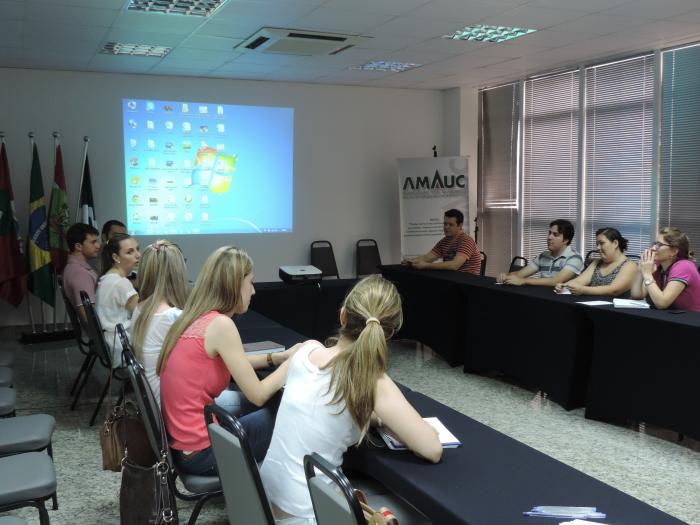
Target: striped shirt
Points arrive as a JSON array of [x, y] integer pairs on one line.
[[448, 248], [548, 266]]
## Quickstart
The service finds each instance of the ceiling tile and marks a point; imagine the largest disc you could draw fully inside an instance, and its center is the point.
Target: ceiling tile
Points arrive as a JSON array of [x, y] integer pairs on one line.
[[166, 69], [417, 56], [143, 37], [389, 42], [601, 24], [462, 12], [341, 20], [655, 8], [447, 46], [132, 63], [248, 69], [214, 43], [158, 22], [270, 58], [588, 6], [546, 39], [416, 27], [532, 17], [247, 9], [10, 11], [385, 7], [66, 13], [103, 4]]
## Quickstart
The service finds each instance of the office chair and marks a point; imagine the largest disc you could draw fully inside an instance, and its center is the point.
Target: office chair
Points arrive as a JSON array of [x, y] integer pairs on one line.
[[367, 257], [482, 271], [322, 257], [518, 263]]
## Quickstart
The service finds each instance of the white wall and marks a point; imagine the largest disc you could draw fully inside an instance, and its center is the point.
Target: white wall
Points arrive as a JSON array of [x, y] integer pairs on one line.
[[346, 143]]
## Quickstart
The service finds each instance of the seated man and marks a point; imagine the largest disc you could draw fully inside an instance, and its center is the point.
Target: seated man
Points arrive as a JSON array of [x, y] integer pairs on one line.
[[84, 245], [457, 250], [558, 264]]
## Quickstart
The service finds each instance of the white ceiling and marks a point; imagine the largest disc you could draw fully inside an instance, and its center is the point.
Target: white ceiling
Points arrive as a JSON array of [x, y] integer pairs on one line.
[[68, 34]]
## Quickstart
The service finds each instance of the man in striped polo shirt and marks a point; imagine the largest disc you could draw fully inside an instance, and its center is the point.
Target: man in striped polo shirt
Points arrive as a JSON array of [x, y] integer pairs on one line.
[[558, 264], [457, 250]]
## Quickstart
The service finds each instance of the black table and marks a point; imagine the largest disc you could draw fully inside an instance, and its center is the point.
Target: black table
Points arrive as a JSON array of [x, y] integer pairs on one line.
[[254, 327], [492, 479], [645, 367], [311, 310], [433, 308]]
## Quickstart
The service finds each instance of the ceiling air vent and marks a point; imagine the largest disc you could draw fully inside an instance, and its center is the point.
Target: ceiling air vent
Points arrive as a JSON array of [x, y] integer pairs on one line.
[[298, 42]]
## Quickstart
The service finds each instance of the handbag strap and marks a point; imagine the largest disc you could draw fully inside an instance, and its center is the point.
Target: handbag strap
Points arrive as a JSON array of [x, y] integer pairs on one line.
[[166, 498]]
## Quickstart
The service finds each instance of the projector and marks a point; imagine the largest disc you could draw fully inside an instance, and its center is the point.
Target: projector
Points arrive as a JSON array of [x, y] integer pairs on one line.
[[300, 274]]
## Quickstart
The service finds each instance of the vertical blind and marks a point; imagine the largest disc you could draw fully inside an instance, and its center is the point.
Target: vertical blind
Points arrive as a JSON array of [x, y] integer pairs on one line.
[[619, 101], [499, 118], [679, 170], [550, 156]]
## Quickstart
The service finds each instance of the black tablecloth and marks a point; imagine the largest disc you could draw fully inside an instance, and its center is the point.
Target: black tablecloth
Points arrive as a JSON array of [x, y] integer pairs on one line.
[[645, 367], [311, 310], [492, 479]]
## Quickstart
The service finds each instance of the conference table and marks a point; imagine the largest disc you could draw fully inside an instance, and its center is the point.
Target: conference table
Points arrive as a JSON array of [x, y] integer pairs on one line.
[[311, 310], [490, 480], [621, 364]]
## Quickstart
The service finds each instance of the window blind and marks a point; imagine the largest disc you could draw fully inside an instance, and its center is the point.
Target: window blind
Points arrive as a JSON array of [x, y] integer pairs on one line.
[[617, 178], [550, 157], [499, 118], [679, 170]]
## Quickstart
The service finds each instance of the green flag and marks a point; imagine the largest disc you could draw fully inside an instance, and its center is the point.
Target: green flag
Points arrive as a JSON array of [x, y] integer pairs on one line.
[[39, 282], [58, 216]]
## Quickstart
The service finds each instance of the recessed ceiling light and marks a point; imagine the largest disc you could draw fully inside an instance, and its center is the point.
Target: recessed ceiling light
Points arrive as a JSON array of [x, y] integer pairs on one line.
[[386, 65], [139, 50], [177, 7], [484, 33]]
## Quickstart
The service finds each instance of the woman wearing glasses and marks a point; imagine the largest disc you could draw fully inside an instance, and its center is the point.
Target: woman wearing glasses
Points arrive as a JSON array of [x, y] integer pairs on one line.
[[667, 275]]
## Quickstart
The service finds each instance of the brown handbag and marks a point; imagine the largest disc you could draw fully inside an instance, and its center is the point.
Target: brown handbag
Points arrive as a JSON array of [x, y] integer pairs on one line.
[[382, 516], [147, 494], [121, 430]]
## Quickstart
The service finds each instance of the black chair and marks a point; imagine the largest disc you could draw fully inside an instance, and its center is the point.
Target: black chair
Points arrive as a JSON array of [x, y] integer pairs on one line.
[[201, 488], [367, 257], [246, 500], [482, 271], [322, 258], [337, 503], [518, 263], [84, 345], [102, 354], [590, 257]]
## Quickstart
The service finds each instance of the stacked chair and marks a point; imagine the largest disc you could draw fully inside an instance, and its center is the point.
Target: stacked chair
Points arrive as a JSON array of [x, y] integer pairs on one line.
[[28, 476], [367, 257], [323, 258], [201, 488]]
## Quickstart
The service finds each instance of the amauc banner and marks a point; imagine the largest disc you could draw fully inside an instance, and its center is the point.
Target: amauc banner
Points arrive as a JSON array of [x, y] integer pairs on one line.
[[427, 188]]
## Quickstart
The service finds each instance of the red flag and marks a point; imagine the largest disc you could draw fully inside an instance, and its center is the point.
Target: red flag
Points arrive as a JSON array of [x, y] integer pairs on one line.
[[13, 275]]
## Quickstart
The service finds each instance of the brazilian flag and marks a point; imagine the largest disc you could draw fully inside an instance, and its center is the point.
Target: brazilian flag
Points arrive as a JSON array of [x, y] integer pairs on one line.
[[39, 281]]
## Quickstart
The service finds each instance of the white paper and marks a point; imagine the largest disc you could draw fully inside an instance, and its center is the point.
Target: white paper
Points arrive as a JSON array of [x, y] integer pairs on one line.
[[630, 303], [594, 303]]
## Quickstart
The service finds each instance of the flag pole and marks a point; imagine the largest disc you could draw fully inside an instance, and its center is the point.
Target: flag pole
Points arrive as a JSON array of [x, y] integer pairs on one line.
[[86, 140], [29, 295], [56, 136]]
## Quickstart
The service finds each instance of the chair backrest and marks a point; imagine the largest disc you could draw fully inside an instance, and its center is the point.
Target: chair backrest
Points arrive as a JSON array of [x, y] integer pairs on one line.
[[482, 270], [367, 257], [518, 263], [590, 257], [331, 507], [322, 258], [145, 400], [75, 320], [95, 331], [246, 500]]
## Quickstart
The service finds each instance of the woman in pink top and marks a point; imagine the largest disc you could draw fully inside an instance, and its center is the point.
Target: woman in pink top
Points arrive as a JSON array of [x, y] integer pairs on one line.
[[667, 275], [201, 353]]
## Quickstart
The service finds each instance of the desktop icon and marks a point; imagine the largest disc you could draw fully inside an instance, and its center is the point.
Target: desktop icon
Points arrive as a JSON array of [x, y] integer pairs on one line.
[[150, 106], [132, 123], [132, 143], [134, 180], [185, 108], [150, 124], [134, 161], [219, 110], [151, 163], [171, 216], [186, 127], [204, 129], [203, 110], [188, 216], [186, 163], [220, 128], [136, 216], [151, 144], [205, 216], [131, 105], [186, 145], [169, 146], [168, 124], [167, 108]]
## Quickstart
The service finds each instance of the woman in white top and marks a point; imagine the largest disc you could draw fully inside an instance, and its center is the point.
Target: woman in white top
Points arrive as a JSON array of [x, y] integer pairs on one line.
[[332, 394], [116, 298], [162, 284]]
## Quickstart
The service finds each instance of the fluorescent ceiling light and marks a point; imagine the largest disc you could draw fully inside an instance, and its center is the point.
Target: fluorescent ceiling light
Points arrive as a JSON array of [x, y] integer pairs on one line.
[[484, 33], [139, 50], [177, 7], [386, 65]]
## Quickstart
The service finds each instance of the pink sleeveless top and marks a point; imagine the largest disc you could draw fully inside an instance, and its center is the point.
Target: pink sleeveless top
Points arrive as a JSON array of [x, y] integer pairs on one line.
[[190, 380]]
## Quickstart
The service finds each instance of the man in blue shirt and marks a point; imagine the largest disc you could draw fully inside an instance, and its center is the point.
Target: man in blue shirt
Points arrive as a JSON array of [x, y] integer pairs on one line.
[[558, 264]]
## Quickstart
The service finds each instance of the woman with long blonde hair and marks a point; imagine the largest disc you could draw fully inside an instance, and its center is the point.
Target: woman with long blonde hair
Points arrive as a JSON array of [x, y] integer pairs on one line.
[[201, 353], [332, 394], [162, 284]]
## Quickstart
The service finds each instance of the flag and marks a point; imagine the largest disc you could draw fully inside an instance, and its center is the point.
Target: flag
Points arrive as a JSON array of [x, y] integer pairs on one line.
[[58, 216], [39, 282], [13, 275], [86, 206]]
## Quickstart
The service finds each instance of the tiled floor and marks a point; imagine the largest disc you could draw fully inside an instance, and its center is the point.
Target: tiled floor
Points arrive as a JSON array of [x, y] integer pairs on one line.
[[653, 468]]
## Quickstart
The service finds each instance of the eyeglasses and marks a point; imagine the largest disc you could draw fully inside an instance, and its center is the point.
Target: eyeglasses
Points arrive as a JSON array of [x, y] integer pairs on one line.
[[658, 244]]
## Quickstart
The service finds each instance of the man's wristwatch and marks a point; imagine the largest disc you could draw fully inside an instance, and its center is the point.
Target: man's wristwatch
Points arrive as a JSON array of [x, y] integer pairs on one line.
[[648, 282], [269, 359]]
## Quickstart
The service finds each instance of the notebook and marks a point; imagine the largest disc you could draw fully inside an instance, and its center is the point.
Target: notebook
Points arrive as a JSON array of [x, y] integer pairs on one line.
[[262, 347], [447, 438]]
